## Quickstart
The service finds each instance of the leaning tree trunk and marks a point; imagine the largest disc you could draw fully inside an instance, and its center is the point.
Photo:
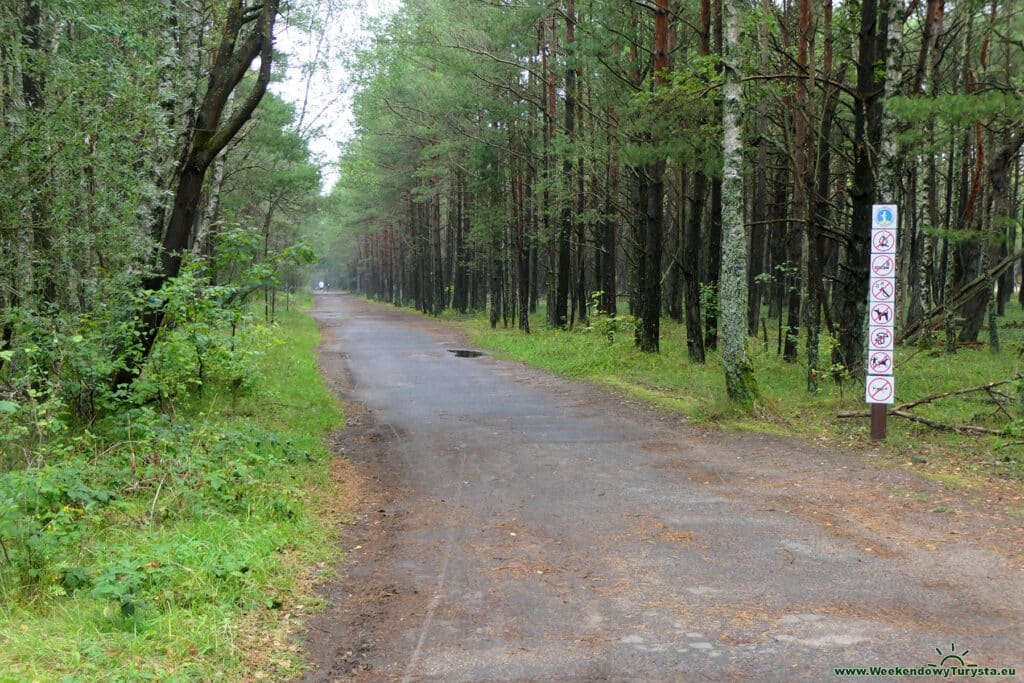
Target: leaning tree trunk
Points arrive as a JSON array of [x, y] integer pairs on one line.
[[245, 36], [740, 383]]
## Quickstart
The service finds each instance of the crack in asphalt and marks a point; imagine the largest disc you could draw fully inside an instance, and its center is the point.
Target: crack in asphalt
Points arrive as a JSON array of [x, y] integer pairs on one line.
[[436, 598]]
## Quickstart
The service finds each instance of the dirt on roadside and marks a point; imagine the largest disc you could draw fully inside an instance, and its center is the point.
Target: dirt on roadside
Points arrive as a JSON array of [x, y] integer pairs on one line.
[[945, 543]]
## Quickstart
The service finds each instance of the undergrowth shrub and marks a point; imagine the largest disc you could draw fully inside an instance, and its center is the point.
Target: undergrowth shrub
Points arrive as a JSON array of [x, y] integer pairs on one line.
[[160, 470], [84, 464]]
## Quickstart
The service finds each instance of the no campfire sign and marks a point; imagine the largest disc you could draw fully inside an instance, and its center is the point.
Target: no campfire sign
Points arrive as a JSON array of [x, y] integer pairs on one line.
[[880, 387]]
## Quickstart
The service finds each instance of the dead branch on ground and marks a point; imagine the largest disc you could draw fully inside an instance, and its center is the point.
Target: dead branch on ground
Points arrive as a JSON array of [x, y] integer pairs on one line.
[[903, 410]]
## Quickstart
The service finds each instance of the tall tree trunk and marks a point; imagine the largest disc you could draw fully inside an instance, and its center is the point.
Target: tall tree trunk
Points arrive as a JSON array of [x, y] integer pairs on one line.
[[582, 295], [963, 210], [556, 313], [817, 214], [1010, 275], [608, 246], [798, 234], [971, 253], [674, 277], [44, 264], [652, 203], [691, 270], [1001, 211], [436, 263], [759, 210], [853, 285], [924, 85], [692, 243], [740, 383], [520, 202], [460, 296], [495, 290], [651, 219], [714, 235], [889, 157], [565, 228]]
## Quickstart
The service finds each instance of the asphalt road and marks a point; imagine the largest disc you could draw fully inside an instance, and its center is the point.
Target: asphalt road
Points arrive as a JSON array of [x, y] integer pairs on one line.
[[517, 526]]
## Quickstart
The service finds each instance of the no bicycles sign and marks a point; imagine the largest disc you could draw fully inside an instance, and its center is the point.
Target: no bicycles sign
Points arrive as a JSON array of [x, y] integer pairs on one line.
[[880, 386]]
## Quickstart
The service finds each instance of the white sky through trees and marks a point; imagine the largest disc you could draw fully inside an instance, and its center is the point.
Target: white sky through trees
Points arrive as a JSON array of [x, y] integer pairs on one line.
[[316, 80]]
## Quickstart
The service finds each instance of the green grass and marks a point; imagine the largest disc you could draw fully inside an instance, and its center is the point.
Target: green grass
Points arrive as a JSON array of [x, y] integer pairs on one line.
[[670, 381], [222, 572]]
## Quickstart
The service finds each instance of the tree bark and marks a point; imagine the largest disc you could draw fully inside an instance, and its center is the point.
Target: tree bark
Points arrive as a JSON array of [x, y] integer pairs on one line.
[[238, 50], [740, 383], [853, 285], [691, 270], [652, 206]]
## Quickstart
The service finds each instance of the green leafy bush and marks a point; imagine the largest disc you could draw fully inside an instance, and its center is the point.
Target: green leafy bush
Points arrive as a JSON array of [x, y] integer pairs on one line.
[[157, 469], [81, 457]]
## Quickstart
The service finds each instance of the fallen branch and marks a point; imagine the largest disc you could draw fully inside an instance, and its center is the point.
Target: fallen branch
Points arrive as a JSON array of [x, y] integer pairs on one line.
[[913, 417], [903, 409], [959, 392], [969, 291], [934, 397], [958, 429]]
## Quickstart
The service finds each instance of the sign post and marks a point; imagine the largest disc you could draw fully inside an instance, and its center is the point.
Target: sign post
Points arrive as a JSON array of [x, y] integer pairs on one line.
[[880, 385]]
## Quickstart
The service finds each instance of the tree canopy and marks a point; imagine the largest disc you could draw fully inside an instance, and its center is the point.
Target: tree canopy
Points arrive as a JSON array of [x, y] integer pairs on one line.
[[515, 153]]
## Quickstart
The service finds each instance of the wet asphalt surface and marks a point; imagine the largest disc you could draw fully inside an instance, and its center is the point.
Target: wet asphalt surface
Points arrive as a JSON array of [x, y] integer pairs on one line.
[[523, 527]]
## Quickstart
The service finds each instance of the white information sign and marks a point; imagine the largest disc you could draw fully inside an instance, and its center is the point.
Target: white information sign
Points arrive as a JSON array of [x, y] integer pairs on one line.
[[880, 387]]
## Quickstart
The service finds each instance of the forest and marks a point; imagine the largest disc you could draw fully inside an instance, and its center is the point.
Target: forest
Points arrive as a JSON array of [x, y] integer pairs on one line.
[[154, 226], [709, 162], [687, 174]]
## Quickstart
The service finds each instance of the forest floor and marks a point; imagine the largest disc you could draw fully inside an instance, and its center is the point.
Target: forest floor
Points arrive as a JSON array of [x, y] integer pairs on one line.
[[512, 525]]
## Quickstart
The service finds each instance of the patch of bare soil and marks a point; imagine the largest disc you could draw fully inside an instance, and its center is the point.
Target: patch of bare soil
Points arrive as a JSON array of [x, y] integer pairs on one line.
[[338, 640], [341, 640]]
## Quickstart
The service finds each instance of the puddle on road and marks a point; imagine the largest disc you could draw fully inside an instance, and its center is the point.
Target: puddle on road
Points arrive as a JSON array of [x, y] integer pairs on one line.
[[465, 353]]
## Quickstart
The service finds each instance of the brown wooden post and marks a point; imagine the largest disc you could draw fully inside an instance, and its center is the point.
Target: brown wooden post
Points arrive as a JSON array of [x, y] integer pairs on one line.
[[879, 419]]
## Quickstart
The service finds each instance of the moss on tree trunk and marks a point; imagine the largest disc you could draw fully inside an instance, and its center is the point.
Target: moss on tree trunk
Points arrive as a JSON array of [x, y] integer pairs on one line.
[[740, 382]]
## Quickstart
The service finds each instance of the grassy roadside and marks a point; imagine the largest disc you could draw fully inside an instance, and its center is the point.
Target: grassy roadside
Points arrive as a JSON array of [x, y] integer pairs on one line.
[[197, 568], [670, 381]]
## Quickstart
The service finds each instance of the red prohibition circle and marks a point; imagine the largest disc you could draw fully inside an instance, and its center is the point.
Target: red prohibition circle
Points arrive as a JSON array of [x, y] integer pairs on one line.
[[881, 314], [880, 362], [880, 338], [883, 289], [882, 265], [880, 389], [883, 241]]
